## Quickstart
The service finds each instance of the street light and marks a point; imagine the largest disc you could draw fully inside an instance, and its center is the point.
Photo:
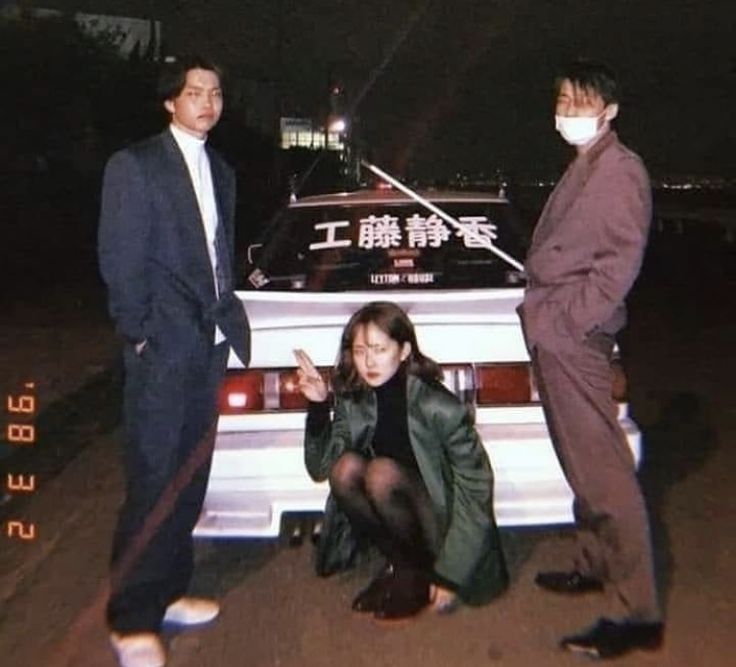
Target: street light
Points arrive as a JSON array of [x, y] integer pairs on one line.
[[338, 125]]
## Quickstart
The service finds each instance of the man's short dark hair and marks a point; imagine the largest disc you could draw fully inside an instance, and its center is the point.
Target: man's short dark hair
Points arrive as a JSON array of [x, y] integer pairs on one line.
[[173, 75], [592, 77]]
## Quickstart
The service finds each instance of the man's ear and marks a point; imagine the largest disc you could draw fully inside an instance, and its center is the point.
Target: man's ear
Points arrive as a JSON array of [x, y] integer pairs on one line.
[[611, 111], [169, 106]]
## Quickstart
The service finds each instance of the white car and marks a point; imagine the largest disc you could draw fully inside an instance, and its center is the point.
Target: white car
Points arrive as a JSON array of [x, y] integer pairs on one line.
[[333, 254]]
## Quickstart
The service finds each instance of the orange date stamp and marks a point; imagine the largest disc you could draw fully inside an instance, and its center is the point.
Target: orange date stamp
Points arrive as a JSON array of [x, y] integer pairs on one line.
[[21, 411]]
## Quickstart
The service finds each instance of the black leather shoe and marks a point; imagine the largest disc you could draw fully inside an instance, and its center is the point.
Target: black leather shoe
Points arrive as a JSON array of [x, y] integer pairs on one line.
[[611, 639], [369, 599], [571, 583], [406, 595]]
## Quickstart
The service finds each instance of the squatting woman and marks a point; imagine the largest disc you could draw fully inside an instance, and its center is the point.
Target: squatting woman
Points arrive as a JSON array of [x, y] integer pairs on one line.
[[406, 470]]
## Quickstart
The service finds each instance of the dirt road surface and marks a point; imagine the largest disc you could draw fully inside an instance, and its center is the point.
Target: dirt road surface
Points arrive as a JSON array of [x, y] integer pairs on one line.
[[679, 353]]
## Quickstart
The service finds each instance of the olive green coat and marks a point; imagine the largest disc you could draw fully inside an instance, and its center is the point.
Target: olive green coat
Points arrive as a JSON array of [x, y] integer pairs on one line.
[[455, 470]]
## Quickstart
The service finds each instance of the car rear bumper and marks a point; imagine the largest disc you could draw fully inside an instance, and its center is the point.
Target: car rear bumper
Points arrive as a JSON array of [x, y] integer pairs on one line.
[[258, 477]]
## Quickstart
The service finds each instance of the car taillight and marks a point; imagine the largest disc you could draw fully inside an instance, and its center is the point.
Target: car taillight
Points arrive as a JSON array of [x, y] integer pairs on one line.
[[485, 384], [503, 384], [259, 390], [290, 398], [241, 392]]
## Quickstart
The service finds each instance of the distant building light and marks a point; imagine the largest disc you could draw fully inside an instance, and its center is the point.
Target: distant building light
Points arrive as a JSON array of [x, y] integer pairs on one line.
[[303, 133]]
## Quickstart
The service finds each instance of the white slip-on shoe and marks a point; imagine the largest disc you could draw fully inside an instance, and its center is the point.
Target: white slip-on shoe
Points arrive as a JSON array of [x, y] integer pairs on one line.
[[191, 611], [141, 649]]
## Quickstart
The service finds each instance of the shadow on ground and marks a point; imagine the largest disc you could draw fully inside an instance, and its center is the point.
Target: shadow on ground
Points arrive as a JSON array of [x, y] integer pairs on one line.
[[677, 445]]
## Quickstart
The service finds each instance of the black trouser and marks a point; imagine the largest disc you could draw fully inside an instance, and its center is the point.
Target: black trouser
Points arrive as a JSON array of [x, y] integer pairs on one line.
[[170, 412]]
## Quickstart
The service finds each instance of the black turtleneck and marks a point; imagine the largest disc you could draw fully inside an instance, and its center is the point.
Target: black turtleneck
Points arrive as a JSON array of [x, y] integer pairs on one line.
[[391, 438]]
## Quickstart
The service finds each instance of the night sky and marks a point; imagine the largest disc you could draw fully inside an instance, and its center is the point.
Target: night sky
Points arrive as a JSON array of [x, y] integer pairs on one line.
[[469, 86]]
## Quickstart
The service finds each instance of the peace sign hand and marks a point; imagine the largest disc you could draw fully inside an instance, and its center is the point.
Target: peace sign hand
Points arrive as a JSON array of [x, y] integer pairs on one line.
[[311, 383]]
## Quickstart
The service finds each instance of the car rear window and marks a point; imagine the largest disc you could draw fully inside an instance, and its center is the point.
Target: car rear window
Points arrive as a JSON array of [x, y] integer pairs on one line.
[[391, 246]]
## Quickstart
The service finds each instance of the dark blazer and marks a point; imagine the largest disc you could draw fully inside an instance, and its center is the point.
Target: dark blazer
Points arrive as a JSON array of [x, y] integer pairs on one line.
[[455, 470], [587, 247], [153, 252]]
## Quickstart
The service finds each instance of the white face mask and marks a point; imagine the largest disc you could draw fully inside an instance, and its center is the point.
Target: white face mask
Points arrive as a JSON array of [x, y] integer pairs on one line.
[[578, 130]]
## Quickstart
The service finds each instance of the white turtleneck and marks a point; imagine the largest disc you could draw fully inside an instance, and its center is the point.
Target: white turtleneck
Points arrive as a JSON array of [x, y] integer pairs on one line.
[[198, 165]]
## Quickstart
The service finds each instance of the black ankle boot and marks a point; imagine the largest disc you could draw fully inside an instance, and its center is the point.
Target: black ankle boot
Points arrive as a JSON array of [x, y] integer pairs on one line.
[[369, 599], [406, 595]]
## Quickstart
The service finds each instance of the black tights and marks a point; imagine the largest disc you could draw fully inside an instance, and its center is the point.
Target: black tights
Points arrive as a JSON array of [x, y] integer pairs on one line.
[[390, 505]]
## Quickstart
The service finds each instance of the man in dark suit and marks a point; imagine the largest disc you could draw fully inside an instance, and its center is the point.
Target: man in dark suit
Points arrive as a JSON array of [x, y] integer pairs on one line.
[[166, 251], [586, 252]]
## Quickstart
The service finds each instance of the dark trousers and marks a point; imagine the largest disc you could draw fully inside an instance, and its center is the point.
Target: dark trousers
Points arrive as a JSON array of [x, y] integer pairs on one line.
[[170, 412], [613, 538]]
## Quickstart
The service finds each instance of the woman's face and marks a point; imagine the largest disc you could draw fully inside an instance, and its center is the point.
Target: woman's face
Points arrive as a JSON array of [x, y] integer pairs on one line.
[[376, 355]]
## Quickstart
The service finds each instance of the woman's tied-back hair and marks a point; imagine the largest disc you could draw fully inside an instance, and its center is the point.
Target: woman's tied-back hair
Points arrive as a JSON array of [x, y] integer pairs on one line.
[[395, 323]]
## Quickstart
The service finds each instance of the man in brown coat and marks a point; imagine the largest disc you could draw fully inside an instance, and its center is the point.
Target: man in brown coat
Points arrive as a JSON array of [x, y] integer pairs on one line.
[[585, 255]]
